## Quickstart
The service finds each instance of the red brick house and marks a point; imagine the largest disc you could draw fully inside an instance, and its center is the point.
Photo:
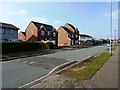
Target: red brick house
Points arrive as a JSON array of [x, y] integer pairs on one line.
[[22, 36], [68, 35], [41, 32]]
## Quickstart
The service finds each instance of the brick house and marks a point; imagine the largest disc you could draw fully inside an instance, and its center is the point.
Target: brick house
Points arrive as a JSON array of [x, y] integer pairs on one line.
[[22, 36], [68, 35], [41, 32]]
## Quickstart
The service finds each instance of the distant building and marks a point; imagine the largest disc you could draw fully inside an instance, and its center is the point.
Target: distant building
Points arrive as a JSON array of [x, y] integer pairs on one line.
[[68, 35], [8, 32], [36, 31], [85, 39], [21, 36]]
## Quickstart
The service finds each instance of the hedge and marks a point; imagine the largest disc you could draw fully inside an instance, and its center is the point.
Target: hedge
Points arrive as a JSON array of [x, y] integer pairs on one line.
[[50, 45], [12, 47]]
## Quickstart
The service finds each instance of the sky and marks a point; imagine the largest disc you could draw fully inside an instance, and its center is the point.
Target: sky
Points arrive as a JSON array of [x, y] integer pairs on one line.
[[92, 18]]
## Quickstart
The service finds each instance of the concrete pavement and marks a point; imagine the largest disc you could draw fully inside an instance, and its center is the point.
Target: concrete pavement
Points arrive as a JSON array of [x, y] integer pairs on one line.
[[107, 76]]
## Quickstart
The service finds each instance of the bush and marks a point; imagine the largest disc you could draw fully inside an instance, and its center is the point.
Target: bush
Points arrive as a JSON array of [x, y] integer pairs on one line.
[[12, 47], [50, 45]]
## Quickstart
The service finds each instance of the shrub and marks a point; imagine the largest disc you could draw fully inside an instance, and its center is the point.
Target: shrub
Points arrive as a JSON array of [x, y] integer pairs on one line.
[[12, 47], [50, 45]]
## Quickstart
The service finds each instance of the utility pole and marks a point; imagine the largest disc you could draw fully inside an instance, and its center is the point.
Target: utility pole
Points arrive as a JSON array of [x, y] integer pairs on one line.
[[115, 36], [110, 50]]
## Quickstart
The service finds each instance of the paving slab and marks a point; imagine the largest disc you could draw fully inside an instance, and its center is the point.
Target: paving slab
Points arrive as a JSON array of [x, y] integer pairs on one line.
[[107, 76]]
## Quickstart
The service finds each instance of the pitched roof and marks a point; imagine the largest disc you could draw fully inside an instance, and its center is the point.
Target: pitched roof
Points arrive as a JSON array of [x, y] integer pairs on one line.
[[6, 25], [48, 27], [67, 30], [71, 25], [76, 29], [85, 35]]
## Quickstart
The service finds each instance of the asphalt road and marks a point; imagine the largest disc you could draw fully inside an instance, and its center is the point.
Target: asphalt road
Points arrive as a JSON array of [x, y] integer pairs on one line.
[[18, 72]]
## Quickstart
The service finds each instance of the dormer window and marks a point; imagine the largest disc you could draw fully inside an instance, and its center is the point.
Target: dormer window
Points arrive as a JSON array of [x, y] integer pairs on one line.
[[42, 32]]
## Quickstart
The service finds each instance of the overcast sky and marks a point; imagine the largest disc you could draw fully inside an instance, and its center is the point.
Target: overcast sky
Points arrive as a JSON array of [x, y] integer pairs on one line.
[[91, 18]]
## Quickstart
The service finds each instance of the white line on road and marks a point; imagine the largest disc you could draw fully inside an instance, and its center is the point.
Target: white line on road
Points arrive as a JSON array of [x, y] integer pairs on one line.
[[32, 82]]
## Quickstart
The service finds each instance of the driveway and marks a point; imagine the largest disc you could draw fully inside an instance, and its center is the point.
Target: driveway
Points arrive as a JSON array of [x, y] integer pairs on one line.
[[18, 72]]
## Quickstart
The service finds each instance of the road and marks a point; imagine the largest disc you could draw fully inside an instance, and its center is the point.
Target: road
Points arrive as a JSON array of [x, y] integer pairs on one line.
[[18, 72]]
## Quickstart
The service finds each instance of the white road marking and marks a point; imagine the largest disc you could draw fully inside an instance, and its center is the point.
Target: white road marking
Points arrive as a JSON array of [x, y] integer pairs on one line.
[[31, 62]]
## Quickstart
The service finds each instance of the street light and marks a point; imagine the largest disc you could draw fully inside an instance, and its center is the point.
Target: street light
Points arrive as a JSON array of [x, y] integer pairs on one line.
[[110, 50], [115, 36]]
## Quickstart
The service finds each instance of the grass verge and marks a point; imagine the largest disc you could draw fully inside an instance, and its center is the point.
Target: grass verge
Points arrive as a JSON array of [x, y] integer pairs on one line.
[[87, 69]]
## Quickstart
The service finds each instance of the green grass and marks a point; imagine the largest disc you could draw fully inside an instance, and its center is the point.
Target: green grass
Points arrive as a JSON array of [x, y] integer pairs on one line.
[[86, 73]]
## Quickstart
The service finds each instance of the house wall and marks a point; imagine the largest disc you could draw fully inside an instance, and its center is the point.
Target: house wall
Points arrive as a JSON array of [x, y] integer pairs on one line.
[[31, 32], [63, 39], [21, 37], [7, 34], [82, 38], [85, 40], [76, 34], [46, 36]]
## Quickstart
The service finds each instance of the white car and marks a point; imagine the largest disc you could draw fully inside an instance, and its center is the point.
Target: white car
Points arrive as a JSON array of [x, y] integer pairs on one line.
[[108, 45]]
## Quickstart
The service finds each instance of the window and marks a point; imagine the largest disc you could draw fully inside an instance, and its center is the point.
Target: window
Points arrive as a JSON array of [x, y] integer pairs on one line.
[[49, 33], [11, 32], [76, 36], [72, 35], [3, 31], [42, 32], [54, 34]]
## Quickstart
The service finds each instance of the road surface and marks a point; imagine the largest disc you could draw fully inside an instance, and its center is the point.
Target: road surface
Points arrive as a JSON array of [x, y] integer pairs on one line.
[[18, 72]]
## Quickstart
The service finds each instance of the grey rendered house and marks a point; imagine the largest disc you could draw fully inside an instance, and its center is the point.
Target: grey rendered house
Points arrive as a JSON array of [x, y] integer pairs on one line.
[[8, 32], [85, 39]]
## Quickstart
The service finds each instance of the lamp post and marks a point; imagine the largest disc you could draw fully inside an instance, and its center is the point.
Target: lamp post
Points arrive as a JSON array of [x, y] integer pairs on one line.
[[115, 36], [110, 50]]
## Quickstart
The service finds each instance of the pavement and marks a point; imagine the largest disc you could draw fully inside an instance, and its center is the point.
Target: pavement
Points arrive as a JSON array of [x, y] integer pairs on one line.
[[18, 72], [106, 77]]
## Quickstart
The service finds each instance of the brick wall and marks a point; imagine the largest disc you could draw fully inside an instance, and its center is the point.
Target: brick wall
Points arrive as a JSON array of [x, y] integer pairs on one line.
[[63, 39]]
